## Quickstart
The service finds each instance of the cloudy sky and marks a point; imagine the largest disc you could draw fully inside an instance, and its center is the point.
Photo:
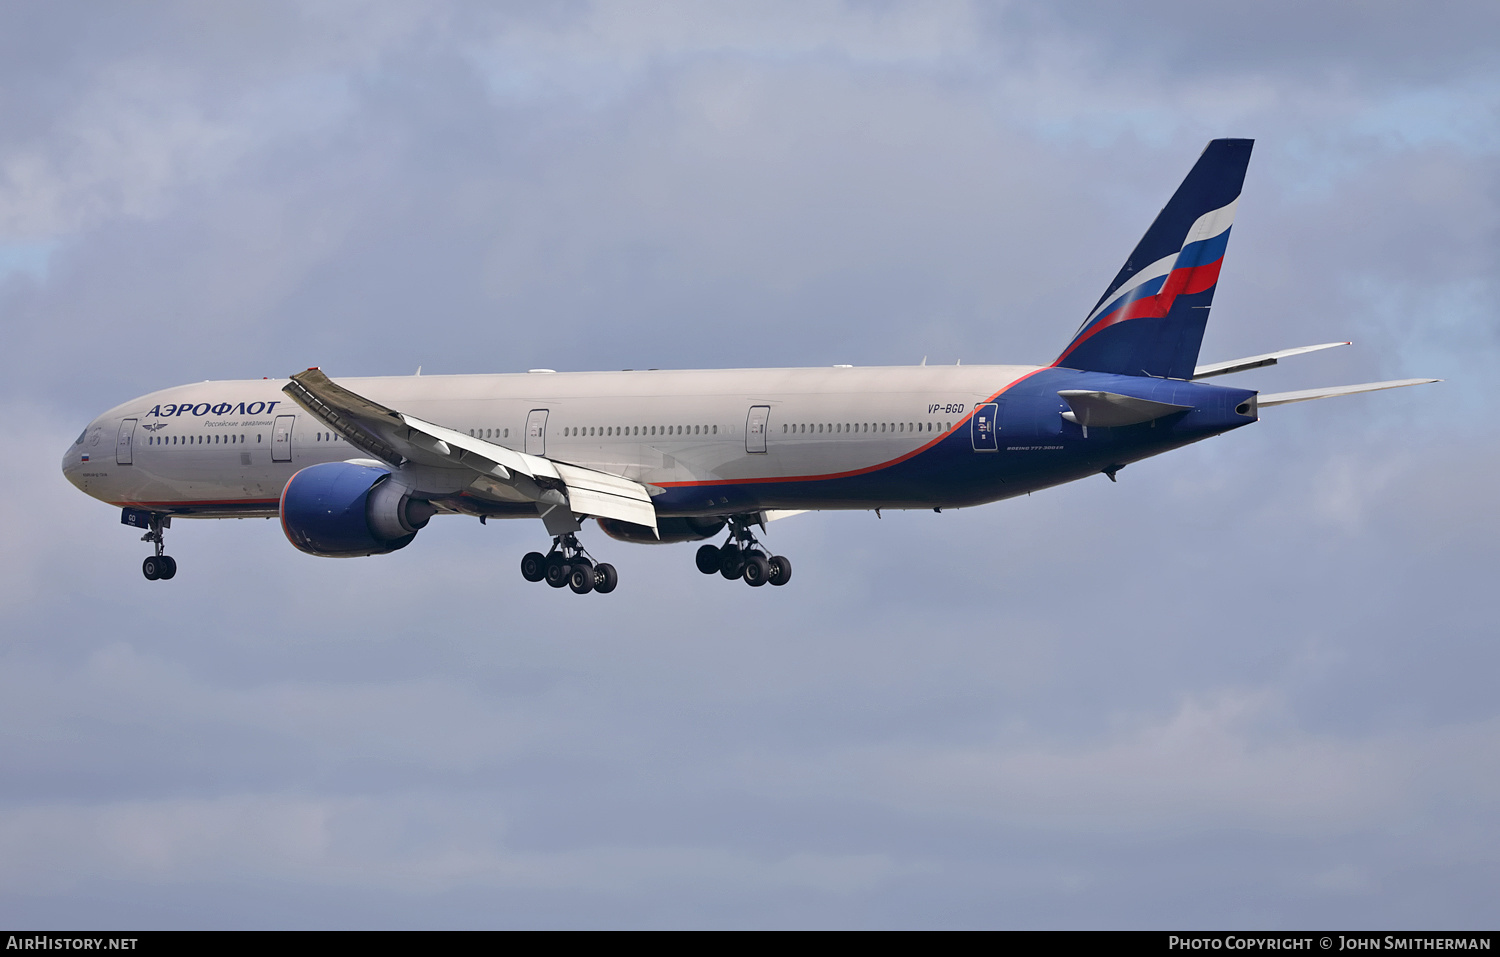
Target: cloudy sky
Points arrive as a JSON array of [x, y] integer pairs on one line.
[[1251, 685]]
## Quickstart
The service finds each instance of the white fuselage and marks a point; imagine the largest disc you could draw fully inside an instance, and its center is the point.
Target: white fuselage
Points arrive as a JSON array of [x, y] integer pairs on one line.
[[229, 447]]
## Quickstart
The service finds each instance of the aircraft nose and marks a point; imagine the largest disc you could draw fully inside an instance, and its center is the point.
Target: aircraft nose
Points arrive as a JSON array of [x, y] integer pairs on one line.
[[77, 457]]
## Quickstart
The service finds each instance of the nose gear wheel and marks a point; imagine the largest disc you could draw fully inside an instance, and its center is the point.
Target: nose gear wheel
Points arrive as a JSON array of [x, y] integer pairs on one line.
[[159, 566]]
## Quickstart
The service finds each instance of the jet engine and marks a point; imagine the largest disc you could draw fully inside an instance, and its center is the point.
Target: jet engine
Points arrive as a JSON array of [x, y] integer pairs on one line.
[[344, 510], [671, 529]]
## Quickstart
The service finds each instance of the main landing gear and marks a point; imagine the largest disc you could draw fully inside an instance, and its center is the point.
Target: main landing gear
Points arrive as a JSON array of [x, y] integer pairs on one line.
[[742, 557], [159, 565], [568, 564]]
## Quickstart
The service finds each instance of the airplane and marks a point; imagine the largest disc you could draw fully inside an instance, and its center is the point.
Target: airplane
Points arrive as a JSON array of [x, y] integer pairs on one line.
[[359, 466]]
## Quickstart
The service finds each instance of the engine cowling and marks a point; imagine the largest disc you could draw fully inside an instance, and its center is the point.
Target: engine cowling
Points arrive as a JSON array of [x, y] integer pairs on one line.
[[671, 529], [345, 510]]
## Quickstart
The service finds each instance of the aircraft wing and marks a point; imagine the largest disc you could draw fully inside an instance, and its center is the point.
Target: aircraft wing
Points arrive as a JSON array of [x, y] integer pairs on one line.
[[397, 439], [1282, 398], [1256, 362]]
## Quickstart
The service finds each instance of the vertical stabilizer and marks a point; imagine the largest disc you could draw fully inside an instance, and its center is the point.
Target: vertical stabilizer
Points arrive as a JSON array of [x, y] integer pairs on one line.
[[1150, 320]]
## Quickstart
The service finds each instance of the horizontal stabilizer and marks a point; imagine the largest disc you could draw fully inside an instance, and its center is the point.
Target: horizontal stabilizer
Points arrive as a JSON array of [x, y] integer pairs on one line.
[[1283, 398], [1107, 409], [1256, 362]]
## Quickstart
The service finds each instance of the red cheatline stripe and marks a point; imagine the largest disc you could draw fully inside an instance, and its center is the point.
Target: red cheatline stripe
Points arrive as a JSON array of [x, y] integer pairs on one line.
[[189, 504], [853, 472]]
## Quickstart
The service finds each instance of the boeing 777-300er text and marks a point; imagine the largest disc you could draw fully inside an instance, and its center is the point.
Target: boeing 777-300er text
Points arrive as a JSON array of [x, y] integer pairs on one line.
[[359, 466]]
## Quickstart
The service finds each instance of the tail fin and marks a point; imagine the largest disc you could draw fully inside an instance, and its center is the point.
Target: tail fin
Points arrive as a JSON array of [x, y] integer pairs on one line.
[[1150, 320]]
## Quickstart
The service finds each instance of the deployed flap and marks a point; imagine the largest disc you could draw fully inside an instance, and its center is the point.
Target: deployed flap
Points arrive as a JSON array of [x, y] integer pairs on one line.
[[1283, 398], [608, 496], [398, 438], [1256, 362], [1105, 409]]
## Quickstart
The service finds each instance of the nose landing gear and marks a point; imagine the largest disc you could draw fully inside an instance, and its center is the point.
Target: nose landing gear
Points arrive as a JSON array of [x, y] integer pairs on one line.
[[742, 557], [568, 564], [159, 565]]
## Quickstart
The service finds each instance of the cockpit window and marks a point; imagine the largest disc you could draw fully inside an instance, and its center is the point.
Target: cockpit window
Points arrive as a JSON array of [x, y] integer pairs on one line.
[[79, 440]]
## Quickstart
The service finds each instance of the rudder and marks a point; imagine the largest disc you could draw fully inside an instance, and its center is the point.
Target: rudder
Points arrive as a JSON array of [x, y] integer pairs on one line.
[[1150, 320]]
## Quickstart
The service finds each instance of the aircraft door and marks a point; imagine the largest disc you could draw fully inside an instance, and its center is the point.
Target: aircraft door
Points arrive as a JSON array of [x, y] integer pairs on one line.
[[125, 447], [281, 438], [985, 426], [755, 428], [536, 432]]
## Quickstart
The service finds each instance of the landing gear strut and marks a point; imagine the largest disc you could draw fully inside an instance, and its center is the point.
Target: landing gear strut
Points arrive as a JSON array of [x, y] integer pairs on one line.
[[159, 565], [568, 564], [742, 557]]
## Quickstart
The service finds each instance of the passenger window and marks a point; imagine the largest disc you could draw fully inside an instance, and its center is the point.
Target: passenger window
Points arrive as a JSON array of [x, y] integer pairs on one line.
[[716, 430]]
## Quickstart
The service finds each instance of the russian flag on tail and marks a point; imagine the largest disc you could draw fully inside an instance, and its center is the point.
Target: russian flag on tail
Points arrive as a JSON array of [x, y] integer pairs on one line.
[[1150, 320]]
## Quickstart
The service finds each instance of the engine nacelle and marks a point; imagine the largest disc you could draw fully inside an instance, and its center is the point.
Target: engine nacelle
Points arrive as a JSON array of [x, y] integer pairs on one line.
[[344, 510], [671, 529]]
